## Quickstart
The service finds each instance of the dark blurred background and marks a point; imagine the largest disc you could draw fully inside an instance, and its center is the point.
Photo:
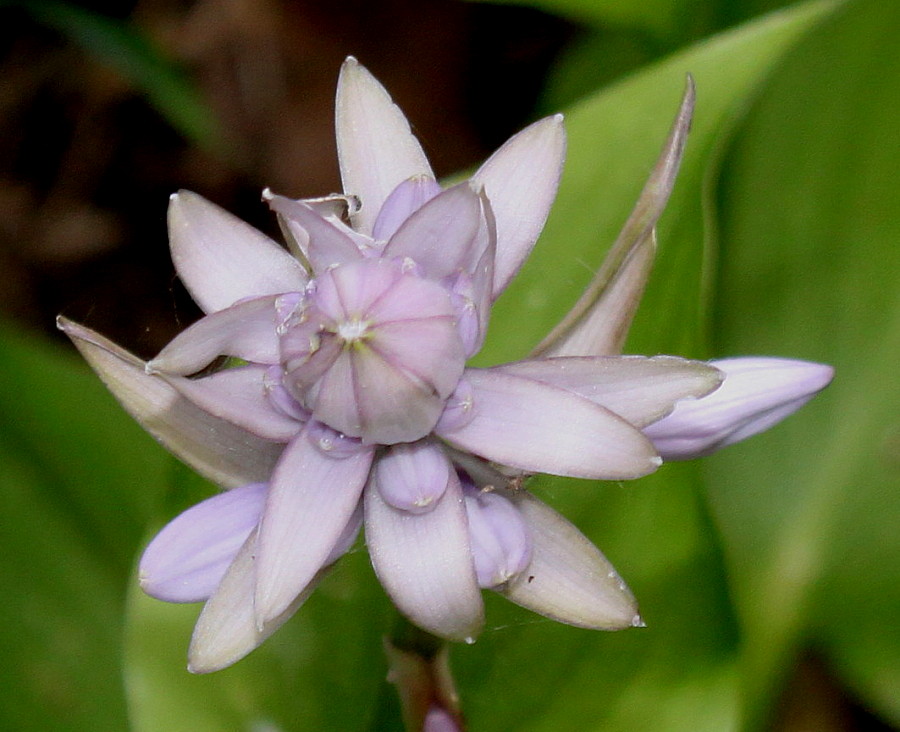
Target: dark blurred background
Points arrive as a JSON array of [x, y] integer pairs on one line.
[[88, 157]]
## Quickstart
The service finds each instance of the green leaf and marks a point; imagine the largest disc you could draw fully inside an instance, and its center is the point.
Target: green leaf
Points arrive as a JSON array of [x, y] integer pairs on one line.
[[810, 268], [78, 480]]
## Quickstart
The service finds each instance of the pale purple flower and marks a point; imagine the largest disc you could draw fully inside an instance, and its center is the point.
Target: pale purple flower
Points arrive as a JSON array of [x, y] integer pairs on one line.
[[353, 404]]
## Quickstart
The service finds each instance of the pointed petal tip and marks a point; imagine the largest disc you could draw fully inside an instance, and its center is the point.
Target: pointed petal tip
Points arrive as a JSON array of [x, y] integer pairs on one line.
[[638, 622]]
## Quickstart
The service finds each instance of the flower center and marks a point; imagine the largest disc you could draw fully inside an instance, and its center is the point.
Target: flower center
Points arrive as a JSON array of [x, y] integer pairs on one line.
[[352, 330]]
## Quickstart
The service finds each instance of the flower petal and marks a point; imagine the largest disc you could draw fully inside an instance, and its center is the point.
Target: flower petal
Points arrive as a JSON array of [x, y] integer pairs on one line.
[[413, 476], [238, 396], [221, 259], [637, 388], [188, 558], [425, 564], [311, 499], [225, 454], [404, 201], [226, 630], [501, 546], [536, 427], [629, 258], [568, 578], [323, 245], [247, 330], [520, 181], [441, 236], [376, 149], [757, 393]]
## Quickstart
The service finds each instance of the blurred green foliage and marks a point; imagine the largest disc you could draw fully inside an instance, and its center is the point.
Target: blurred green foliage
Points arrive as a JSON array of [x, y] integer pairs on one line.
[[781, 238]]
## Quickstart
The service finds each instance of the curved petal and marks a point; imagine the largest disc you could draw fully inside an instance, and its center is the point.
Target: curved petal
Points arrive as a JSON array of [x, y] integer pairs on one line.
[[568, 578], [638, 388], [628, 261], [226, 630], [501, 546], [188, 558], [222, 259], [520, 181], [376, 149], [324, 245], [441, 236], [311, 498], [247, 330], [220, 451], [536, 427], [238, 396], [425, 564]]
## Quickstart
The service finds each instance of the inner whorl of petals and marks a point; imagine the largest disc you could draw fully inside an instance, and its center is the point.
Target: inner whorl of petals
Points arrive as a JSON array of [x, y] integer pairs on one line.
[[374, 351]]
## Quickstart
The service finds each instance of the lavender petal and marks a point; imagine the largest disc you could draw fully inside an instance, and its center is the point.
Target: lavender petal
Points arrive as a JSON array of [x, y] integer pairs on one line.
[[188, 558], [247, 331], [637, 388], [376, 149], [221, 259], [413, 476], [425, 564], [568, 578], [757, 393], [501, 545], [520, 181], [311, 498], [541, 428], [404, 201]]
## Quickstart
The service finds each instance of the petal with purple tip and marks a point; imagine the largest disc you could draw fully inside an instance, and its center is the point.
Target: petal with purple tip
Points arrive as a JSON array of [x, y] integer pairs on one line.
[[637, 388], [536, 427], [520, 181], [311, 498], [238, 396], [324, 246], [222, 452], [757, 393], [247, 330], [568, 578], [413, 476], [376, 149], [221, 259], [425, 564], [188, 558]]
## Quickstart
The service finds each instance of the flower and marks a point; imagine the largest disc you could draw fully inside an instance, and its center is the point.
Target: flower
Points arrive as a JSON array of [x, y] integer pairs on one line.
[[351, 404]]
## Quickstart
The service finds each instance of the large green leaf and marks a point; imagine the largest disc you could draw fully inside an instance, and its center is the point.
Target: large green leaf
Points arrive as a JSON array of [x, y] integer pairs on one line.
[[811, 268], [78, 480]]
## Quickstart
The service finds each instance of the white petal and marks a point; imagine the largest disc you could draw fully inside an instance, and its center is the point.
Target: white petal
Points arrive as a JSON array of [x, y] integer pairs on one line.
[[312, 496], [226, 630], [568, 578], [238, 396], [376, 149], [222, 259], [520, 181], [247, 330], [425, 564], [225, 454], [637, 388], [536, 427]]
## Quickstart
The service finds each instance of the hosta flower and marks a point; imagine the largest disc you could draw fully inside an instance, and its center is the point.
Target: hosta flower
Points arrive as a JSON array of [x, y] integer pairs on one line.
[[351, 404]]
